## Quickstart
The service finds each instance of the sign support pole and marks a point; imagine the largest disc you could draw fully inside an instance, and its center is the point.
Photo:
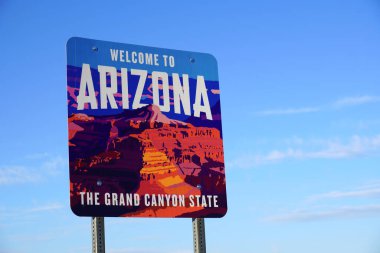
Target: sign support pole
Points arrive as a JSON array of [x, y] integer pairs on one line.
[[98, 241], [199, 235]]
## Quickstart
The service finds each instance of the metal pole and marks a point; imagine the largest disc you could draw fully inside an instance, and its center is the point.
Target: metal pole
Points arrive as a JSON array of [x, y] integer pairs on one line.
[[98, 241], [199, 235]]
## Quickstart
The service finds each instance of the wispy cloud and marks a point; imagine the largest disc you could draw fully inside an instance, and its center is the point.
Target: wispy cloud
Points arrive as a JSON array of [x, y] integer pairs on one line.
[[145, 250], [332, 149], [371, 190], [288, 111], [49, 233], [17, 174], [312, 212], [47, 165], [37, 155], [27, 214], [359, 100], [45, 208], [53, 165], [33, 237], [134, 250], [36, 208], [375, 192], [340, 212], [339, 103]]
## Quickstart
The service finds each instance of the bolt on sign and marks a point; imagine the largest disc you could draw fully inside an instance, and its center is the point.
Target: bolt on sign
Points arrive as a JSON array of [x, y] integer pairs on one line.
[[145, 133]]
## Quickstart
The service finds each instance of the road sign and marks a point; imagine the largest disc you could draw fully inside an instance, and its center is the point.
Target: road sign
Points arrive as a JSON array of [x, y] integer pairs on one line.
[[145, 134]]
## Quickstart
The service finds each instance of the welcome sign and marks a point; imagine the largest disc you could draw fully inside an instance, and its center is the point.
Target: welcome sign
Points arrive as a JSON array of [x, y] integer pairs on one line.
[[145, 134]]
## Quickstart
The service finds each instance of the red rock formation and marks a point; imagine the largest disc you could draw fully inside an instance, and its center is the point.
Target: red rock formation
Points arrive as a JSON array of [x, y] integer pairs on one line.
[[145, 152]]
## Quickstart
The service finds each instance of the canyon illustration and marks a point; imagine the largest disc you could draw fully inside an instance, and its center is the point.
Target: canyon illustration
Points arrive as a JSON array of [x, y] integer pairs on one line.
[[144, 151]]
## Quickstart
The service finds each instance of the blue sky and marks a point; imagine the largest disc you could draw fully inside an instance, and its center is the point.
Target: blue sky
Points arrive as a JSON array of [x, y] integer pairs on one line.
[[300, 98]]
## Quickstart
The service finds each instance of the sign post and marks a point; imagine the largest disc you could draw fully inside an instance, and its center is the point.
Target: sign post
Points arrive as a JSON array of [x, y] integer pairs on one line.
[[98, 236], [199, 235], [145, 134]]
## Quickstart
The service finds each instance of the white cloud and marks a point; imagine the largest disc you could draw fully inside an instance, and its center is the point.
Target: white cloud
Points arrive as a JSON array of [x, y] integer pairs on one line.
[[288, 111], [17, 174], [341, 212], [26, 214], [32, 237], [320, 212], [45, 208], [37, 155], [134, 250], [340, 103], [54, 165], [332, 149], [371, 190], [352, 101], [375, 192], [145, 250], [51, 233]]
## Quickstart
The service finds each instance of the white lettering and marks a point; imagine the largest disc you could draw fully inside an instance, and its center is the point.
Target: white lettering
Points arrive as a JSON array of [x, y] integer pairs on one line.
[[129, 199], [156, 60], [107, 199], [124, 88], [161, 200], [114, 199], [97, 198], [181, 94], [114, 54], [201, 94], [146, 197], [148, 59], [191, 198], [90, 198], [174, 200], [86, 83], [216, 201], [181, 199], [136, 199], [163, 76], [107, 93], [154, 201], [121, 200], [140, 87], [171, 61], [82, 198], [141, 58], [121, 55], [165, 60], [161, 94], [134, 54]]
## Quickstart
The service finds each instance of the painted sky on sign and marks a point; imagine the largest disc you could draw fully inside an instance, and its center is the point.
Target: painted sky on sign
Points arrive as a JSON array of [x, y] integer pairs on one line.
[[300, 98]]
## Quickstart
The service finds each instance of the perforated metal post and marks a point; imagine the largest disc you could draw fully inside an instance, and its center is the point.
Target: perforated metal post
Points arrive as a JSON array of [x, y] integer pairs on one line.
[[98, 242], [199, 235]]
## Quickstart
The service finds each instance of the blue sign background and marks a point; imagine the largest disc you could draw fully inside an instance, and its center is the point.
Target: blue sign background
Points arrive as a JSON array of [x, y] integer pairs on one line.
[[80, 50]]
